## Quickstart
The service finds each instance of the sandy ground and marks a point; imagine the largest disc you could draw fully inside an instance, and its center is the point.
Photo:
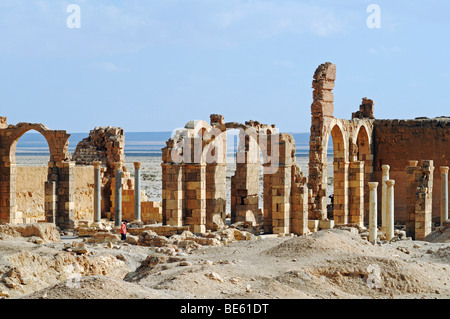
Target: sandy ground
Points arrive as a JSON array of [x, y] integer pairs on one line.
[[327, 264]]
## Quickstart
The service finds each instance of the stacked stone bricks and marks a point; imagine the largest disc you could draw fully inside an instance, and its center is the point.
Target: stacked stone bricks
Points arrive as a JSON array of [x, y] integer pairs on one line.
[[419, 190]]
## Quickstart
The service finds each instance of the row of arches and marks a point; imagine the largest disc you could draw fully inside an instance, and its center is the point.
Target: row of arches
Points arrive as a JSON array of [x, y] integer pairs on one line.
[[343, 187]]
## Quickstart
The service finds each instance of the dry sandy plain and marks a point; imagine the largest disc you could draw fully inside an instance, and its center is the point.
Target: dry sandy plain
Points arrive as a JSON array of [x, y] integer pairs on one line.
[[329, 264]]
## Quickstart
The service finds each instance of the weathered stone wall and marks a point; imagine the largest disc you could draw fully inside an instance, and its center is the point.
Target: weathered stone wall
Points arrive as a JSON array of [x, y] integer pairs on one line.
[[30, 192], [106, 145], [398, 141], [60, 179]]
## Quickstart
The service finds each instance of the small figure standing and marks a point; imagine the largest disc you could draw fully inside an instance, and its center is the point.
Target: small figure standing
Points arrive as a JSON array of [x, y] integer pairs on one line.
[[123, 230]]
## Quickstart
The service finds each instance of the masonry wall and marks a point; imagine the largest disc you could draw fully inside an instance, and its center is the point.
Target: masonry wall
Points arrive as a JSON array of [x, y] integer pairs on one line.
[[398, 141], [30, 192]]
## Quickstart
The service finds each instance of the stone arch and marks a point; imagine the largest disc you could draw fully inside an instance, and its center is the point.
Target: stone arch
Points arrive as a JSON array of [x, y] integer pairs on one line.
[[244, 195], [57, 150], [194, 192], [365, 154], [340, 172], [59, 187]]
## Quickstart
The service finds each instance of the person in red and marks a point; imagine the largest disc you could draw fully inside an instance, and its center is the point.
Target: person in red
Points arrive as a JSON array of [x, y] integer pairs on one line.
[[123, 230]]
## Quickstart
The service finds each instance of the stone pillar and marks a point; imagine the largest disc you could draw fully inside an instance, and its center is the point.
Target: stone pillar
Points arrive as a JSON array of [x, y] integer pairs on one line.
[[66, 195], [384, 178], [424, 201], [419, 190], [356, 192], [118, 195], [282, 186], [413, 175], [341, 192], [444, 194], [373, 220], [97, 192], [216, 194], [299, 207], [322, 110], [137, 191], [50, 201], [245, 182], [195, 197], [172, 194], [390, 209]]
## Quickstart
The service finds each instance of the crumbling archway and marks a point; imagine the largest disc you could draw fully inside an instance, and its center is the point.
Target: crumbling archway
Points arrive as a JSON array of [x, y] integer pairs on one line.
[[364, 154], [59, 188], [194, 187]]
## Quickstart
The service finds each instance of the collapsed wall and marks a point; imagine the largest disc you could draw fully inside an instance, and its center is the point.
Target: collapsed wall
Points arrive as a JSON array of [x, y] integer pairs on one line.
[[105, 145]]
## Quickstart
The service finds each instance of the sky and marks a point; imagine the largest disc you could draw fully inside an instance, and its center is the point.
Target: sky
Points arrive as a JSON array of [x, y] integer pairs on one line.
[[153, 65]]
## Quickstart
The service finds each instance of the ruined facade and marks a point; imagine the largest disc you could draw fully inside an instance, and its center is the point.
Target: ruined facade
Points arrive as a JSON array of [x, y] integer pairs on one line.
[[352, 150], [194, 189], [59, 187], [361, 147], [409, 154], [68, 191], [194, 178]]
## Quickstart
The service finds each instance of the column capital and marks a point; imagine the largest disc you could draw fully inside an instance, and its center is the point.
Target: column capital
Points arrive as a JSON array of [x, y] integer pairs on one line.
[[444, 170], [97, 164], [390, 182], [117, 166], [385, 168], [137, 165], [373, 185]]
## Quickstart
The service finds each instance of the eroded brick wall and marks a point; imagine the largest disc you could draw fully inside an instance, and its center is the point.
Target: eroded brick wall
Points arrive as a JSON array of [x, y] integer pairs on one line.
[[398, 141]]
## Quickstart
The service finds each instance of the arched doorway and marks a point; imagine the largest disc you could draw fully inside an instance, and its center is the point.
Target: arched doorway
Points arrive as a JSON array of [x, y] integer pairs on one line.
[[364, 155], [340, 176], [31, 156], [60, 182]]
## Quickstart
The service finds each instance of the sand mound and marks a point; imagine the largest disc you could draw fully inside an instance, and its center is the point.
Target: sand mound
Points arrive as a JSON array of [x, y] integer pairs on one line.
[[329, 241], [442, 255], [439, 236], [97, 287], [372, 277], [25, 272], [46, 231]]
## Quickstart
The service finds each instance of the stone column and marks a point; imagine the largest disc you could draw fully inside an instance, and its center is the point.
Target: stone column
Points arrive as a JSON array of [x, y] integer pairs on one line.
[[118, 195], [97, 193], [384, 178], [50, 201], [137, 191], [356, 193], [373, 221], [66, 195], [390, 209], [444, 194]]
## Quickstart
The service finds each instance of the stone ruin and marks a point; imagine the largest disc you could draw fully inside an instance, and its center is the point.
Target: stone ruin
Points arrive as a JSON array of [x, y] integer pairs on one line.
[[104, 145], [194, 178], [367, 153], [363, 148]]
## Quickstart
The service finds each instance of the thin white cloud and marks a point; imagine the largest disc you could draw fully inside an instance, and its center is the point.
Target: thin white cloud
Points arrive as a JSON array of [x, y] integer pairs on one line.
[[386, 50], [39, 27], [283, 63], [107, 67]]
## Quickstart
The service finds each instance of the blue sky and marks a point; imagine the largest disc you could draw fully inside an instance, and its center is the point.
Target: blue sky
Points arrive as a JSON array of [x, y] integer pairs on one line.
[[154, 65]]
